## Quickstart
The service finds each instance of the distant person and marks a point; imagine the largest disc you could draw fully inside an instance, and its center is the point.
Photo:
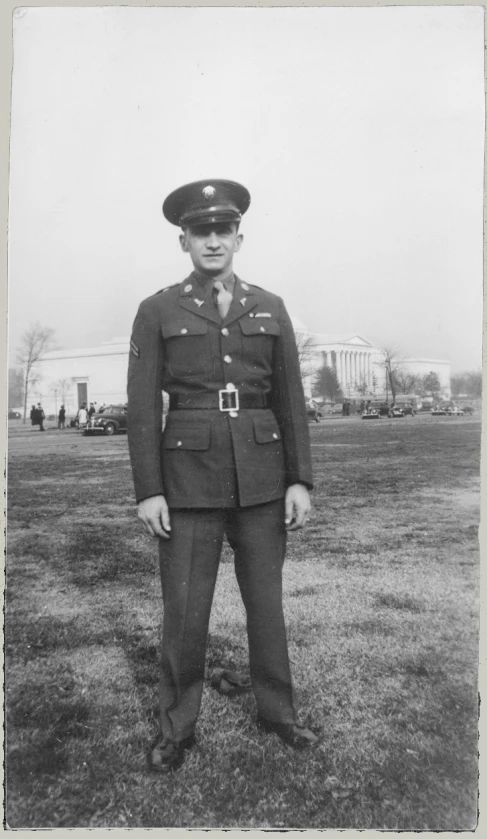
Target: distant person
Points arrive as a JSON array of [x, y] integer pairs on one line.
[[33, 415], [61, 417], [92, 410], [82, 416], [40, 417]]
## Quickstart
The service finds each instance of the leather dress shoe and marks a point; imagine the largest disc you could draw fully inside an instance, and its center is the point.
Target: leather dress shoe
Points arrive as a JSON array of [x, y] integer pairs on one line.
[[293, 734], [167, 756]]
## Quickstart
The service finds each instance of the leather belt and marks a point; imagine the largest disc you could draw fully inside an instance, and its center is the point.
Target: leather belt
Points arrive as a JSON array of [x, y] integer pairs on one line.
[[213, 401]]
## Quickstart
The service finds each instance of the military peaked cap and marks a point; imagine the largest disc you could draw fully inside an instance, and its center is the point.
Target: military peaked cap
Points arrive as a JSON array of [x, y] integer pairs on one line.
[[206, 202]]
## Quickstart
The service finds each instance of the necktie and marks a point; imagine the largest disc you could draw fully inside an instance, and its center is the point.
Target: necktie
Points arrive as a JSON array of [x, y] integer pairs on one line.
[[223, 298]]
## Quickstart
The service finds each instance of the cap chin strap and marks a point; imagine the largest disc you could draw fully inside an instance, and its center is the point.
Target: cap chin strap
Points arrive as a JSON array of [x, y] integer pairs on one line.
[[210, 215]]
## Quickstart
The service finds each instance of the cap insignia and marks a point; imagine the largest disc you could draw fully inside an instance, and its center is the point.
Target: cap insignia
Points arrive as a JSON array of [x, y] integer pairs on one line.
[[209, 192]]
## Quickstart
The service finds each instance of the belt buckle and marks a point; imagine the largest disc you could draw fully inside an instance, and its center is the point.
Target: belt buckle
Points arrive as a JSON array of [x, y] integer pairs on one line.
[[228, 399]]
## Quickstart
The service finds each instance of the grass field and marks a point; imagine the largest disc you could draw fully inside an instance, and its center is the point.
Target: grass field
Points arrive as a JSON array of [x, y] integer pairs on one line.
[[381, 597]]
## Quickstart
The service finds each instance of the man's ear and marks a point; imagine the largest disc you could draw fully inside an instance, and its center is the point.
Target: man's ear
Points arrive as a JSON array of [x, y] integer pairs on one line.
[[238, 242], [182, 241]]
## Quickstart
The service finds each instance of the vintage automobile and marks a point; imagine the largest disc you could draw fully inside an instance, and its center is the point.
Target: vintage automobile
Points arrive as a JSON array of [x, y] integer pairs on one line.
[[14, 415], [112, 420], [372, 413], [468, 410], [313, 411], [447, 410], [396, 412]]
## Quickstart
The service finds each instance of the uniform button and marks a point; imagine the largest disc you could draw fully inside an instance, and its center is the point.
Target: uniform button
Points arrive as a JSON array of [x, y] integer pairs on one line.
[[184, 331], [233, 414], [251, 315], [262, 328], [225, 331], [180, 443], [227, 359], [188, 287], [275, 436]]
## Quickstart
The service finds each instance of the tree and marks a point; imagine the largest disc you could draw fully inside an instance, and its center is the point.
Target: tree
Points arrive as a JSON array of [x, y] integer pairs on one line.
[[326, 384], [458, 384], [467, 384], [406, 382], [306, 354], [15, 388], [35, 341], [431, 384], [392, 363], [362, 386], [63, 388], [474, 384]]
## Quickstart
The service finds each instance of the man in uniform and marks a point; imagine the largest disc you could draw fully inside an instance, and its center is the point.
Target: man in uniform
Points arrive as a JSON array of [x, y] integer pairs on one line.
[[233, 460]]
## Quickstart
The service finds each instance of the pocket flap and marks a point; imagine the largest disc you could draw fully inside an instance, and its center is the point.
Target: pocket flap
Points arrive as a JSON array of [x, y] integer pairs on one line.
[[185, 328], [266, 429], [259, 326], [186, 437]]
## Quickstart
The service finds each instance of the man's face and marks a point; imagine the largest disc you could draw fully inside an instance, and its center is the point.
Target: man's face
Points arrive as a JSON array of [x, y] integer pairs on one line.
[[212, 246]]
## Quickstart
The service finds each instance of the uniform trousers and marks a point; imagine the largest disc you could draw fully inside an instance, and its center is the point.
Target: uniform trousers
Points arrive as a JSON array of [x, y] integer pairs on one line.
[[189, 564]]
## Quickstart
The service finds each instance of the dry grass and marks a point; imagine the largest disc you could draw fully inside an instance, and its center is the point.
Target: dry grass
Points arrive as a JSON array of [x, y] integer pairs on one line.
[[381, 606]]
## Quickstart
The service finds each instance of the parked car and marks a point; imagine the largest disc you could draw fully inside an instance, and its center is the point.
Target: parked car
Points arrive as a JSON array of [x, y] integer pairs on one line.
[[468, 410], [14, 415], [313, 411], [112, 420], [372, 413], [396, 412]]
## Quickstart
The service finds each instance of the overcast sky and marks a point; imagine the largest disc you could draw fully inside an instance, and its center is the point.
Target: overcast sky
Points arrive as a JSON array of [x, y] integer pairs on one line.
[[358, 131]]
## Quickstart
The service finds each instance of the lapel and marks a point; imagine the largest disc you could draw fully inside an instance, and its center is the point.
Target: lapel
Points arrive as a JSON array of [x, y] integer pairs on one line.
[[244, 299], [191, 293]]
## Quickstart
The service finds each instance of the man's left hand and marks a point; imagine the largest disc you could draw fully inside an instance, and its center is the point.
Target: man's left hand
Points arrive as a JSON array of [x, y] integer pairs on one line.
[[298, 505]]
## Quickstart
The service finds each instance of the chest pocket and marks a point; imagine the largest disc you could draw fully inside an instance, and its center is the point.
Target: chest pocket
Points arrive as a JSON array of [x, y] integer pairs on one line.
[[187, 351], [260, 326], [257, 337]]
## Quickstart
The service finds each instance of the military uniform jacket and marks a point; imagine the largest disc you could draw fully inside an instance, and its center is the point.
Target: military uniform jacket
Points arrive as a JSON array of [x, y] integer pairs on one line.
[[204, 457]]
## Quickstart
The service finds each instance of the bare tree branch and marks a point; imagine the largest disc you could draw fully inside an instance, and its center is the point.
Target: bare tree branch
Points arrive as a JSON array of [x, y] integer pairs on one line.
[[306, 354], [35, 342]]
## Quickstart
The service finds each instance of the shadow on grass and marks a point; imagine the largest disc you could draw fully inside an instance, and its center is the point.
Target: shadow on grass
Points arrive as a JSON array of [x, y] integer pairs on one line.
[[101, 552], [31, 638], [399, 601], [45, 714]]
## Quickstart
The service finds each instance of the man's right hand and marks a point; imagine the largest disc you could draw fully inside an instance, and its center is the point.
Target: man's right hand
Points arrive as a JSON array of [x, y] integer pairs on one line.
[[154, 515]]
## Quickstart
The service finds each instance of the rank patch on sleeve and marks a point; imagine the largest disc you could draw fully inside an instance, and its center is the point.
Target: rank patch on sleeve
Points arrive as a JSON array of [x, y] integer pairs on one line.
[[134, 348]]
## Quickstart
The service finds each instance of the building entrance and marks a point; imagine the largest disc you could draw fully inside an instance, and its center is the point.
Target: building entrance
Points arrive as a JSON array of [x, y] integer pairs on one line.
[[82, 393]]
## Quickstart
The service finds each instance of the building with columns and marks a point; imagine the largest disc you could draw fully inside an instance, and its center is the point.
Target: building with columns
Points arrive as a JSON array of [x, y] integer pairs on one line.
[[360, 368], [353, 359]]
